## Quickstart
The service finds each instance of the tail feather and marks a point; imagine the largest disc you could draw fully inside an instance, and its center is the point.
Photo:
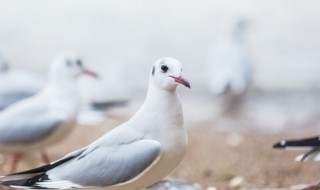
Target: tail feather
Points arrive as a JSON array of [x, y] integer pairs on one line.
[[310, 155], [107, 105], [30, 183], [29, 179]]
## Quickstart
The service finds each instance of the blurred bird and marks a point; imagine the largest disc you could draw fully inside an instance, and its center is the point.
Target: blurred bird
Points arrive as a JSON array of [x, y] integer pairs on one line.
[[16, 85], [94, 112], [136, 154], [311, 144], [231, 66], [101, 96], [47, 117]]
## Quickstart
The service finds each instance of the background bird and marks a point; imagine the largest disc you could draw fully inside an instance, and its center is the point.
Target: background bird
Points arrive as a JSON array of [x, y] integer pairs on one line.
[[16, 85], [134, 155], [231, 66], [311, 144], [47, 117]]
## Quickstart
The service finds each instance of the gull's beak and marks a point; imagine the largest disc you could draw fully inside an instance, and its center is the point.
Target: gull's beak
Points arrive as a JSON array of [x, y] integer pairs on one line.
[[90, 73], [181, 81]]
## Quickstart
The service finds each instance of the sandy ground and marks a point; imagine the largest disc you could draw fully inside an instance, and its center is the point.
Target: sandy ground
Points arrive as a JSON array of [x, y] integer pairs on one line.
[[214, 157]]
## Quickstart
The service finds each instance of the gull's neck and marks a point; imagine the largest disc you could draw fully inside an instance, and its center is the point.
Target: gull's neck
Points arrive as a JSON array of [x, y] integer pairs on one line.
[[64, 88], [158, 97], [64, 96], [68, 84], [162, 105]]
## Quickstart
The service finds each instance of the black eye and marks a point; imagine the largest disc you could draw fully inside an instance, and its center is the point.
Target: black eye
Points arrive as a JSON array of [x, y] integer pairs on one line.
[[164, 68], [79, 62]]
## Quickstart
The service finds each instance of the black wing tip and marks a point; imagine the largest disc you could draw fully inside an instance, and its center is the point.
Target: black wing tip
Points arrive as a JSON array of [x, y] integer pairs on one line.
[[109, 104], [281, 144], [13, 183], [31, 182]]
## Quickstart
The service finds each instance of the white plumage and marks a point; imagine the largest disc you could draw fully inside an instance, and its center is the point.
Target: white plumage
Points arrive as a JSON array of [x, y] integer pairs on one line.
[[134, 155]]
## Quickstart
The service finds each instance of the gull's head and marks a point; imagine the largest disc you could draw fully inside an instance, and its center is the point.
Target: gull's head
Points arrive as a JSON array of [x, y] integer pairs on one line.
[[69, 66], [166, 74]]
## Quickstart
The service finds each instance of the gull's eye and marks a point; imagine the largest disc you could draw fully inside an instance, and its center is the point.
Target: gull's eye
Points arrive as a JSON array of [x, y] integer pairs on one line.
[[79, 62], [164, 68]]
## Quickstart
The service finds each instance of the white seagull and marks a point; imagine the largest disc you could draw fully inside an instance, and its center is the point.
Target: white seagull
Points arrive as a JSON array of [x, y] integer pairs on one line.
[[231, 68], [16, 85], [45, 118], [134, 155], [311, 144]]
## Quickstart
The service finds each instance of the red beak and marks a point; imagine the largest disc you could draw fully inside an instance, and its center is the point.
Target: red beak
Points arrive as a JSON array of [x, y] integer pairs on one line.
[[181, 81], [90, 73]]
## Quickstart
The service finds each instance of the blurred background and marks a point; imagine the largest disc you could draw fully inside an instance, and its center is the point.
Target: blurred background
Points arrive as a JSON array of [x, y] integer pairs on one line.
[[121, 40]]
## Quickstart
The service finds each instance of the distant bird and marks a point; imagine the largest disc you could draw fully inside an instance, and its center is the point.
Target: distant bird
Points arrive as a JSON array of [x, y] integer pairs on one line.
[[311, 144], [101, 96], [231, 68], [134, 155], [101, 106], [94, 112], [47, 117], [16, 85]]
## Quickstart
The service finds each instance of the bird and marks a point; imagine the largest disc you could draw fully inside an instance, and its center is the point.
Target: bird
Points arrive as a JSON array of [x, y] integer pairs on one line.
[[47, 117], [311, 144], [95, 112], [231, 66], [16, 85], [134, 155], [103, 95]]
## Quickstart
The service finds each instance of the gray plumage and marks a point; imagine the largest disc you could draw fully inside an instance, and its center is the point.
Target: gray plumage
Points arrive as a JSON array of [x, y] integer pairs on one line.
[[108, 165], [105, 162], [16, 85], [27, 128]]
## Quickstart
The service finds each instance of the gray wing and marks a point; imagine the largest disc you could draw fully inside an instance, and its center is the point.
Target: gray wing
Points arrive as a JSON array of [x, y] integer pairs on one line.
[[27, 123], [8, 98], [105, 166], [16, 86]]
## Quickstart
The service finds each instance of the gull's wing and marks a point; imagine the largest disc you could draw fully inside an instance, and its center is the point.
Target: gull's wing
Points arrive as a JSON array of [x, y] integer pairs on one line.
[[28, 122], [93, 167], [307, 143], [311, 144], [16, 86]]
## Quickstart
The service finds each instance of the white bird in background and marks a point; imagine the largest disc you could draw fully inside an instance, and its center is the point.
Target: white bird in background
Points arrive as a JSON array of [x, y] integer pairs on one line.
[[47, 117], [16, 85], [101, 96], [134, 155], [311, 144], [231, 66]]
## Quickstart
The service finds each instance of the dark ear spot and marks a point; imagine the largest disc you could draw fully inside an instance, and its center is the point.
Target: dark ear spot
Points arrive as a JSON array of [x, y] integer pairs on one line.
[[68, 63], [153, 69], [79, 62]]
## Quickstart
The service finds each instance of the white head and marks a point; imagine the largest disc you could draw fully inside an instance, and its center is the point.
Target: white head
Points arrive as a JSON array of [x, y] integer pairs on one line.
[[166, 74], [68, 67]]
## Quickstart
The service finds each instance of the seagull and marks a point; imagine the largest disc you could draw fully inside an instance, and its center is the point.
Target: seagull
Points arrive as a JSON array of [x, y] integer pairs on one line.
[[47, 117], [231, 68], [134, 155], [95, 112], [16, 85], [311, 144]]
